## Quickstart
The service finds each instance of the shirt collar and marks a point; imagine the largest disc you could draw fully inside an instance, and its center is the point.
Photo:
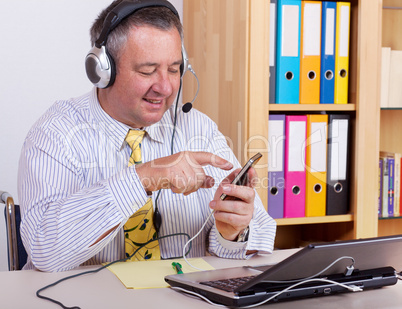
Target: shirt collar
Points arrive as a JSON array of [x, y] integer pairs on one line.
[[156, 132]]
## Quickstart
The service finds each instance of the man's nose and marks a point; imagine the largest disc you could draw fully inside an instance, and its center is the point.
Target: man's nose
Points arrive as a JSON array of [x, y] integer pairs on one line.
[[163, 84]]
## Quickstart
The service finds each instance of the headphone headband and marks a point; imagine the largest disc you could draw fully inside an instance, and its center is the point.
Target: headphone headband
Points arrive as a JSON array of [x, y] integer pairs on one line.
[[125, 9]]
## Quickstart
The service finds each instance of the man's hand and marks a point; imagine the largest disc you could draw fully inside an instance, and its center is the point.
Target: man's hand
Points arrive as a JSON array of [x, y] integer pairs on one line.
[[233, 214], [181, 172]]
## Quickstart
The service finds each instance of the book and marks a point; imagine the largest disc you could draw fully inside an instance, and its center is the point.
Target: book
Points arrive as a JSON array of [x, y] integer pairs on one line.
[[388, 205], [391, 179], [384, 209], [380, 177], [391, 183], [397, 185]]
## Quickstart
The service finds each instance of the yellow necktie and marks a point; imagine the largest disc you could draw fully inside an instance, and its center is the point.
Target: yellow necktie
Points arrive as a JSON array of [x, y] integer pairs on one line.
[[140, 228]]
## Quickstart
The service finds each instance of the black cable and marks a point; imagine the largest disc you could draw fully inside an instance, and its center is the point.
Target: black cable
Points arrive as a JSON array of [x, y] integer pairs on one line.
[[157, 218], [99, 269], [175, 118]]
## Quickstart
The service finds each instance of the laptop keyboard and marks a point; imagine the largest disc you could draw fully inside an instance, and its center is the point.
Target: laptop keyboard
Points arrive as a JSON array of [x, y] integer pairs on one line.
[[228, 285]]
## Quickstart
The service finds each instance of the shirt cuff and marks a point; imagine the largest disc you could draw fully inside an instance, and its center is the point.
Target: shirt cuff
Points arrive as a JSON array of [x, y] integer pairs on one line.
[[230, 245], [234, 246]]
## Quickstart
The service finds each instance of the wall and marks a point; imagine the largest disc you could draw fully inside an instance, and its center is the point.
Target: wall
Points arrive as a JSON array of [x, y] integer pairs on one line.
[[42, 52]]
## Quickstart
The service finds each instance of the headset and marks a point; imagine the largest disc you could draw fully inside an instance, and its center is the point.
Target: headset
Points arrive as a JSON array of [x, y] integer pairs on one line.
[[100, 66]]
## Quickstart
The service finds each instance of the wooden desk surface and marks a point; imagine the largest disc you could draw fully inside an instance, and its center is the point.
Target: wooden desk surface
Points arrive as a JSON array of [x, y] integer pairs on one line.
[[104, 290]]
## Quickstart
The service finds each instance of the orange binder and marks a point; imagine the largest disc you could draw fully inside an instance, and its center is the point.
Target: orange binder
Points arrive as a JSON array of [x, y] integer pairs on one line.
[[316, 165], [310, 52]]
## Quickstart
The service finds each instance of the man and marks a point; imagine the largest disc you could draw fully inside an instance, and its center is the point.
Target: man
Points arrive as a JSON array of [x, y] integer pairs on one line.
[[77, 191]]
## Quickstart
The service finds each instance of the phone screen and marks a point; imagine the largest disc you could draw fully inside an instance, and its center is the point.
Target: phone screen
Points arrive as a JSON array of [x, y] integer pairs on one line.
[[241, 178]]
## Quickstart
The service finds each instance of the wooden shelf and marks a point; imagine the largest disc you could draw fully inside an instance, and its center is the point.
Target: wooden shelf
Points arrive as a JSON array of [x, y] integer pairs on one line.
[[228, 45], [390, 123], [312, 107], [389, 218], [314, 220]]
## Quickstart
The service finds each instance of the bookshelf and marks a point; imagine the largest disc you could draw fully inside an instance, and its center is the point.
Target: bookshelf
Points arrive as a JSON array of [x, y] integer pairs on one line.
[[390, 119], [228, 45]]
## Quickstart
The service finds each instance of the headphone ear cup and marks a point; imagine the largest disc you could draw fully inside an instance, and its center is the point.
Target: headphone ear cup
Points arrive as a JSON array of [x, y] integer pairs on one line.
[[182, 69], [185, 63], [100, 67], [112, 70], [91, 64]]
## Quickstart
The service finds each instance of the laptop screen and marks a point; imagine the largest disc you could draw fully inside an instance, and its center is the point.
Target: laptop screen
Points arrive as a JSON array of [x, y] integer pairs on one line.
[[363, 254]]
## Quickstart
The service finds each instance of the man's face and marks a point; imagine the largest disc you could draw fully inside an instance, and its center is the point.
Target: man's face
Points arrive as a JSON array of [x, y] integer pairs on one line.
[[147, 79]]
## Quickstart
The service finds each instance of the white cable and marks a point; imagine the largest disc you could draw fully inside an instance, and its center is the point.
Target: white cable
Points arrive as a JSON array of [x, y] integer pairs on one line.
[[187, 243], [350, 288]]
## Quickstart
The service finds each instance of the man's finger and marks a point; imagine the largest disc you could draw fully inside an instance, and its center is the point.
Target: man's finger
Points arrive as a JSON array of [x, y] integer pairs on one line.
[[207, 158], [252, 177], [243, 193]]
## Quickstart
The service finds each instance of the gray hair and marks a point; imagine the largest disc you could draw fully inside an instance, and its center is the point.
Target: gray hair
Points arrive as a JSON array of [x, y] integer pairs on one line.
[[159, 17]]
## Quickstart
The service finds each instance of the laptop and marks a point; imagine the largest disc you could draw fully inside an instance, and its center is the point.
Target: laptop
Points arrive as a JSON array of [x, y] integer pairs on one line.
[[358, 264]]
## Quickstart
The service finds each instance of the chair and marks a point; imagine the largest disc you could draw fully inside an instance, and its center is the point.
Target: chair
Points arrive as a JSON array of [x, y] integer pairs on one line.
[[17, 255]]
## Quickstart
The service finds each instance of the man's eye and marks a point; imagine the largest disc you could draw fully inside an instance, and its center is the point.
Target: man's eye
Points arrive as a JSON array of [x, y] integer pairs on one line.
[[174, 69], [146, 73]]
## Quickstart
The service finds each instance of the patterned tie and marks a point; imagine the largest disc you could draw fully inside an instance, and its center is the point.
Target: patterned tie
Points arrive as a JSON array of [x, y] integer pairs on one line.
[[140, 228]]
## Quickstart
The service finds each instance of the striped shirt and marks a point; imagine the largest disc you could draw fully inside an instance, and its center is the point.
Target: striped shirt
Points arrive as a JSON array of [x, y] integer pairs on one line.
[[74, 185]]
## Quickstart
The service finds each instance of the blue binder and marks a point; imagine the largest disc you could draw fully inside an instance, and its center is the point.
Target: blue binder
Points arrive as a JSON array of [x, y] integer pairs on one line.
[[272, 50], [288, 52], [327, 83]]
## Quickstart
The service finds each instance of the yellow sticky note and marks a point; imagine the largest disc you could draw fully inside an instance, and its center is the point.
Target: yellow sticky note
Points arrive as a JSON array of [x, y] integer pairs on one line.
[[151, 274]]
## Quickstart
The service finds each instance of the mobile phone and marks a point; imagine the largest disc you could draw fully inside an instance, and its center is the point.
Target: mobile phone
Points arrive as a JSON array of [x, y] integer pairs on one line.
[[241, 178]]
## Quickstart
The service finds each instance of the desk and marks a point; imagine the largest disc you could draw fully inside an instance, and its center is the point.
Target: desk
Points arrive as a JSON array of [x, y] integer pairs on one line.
[[104, 291]]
